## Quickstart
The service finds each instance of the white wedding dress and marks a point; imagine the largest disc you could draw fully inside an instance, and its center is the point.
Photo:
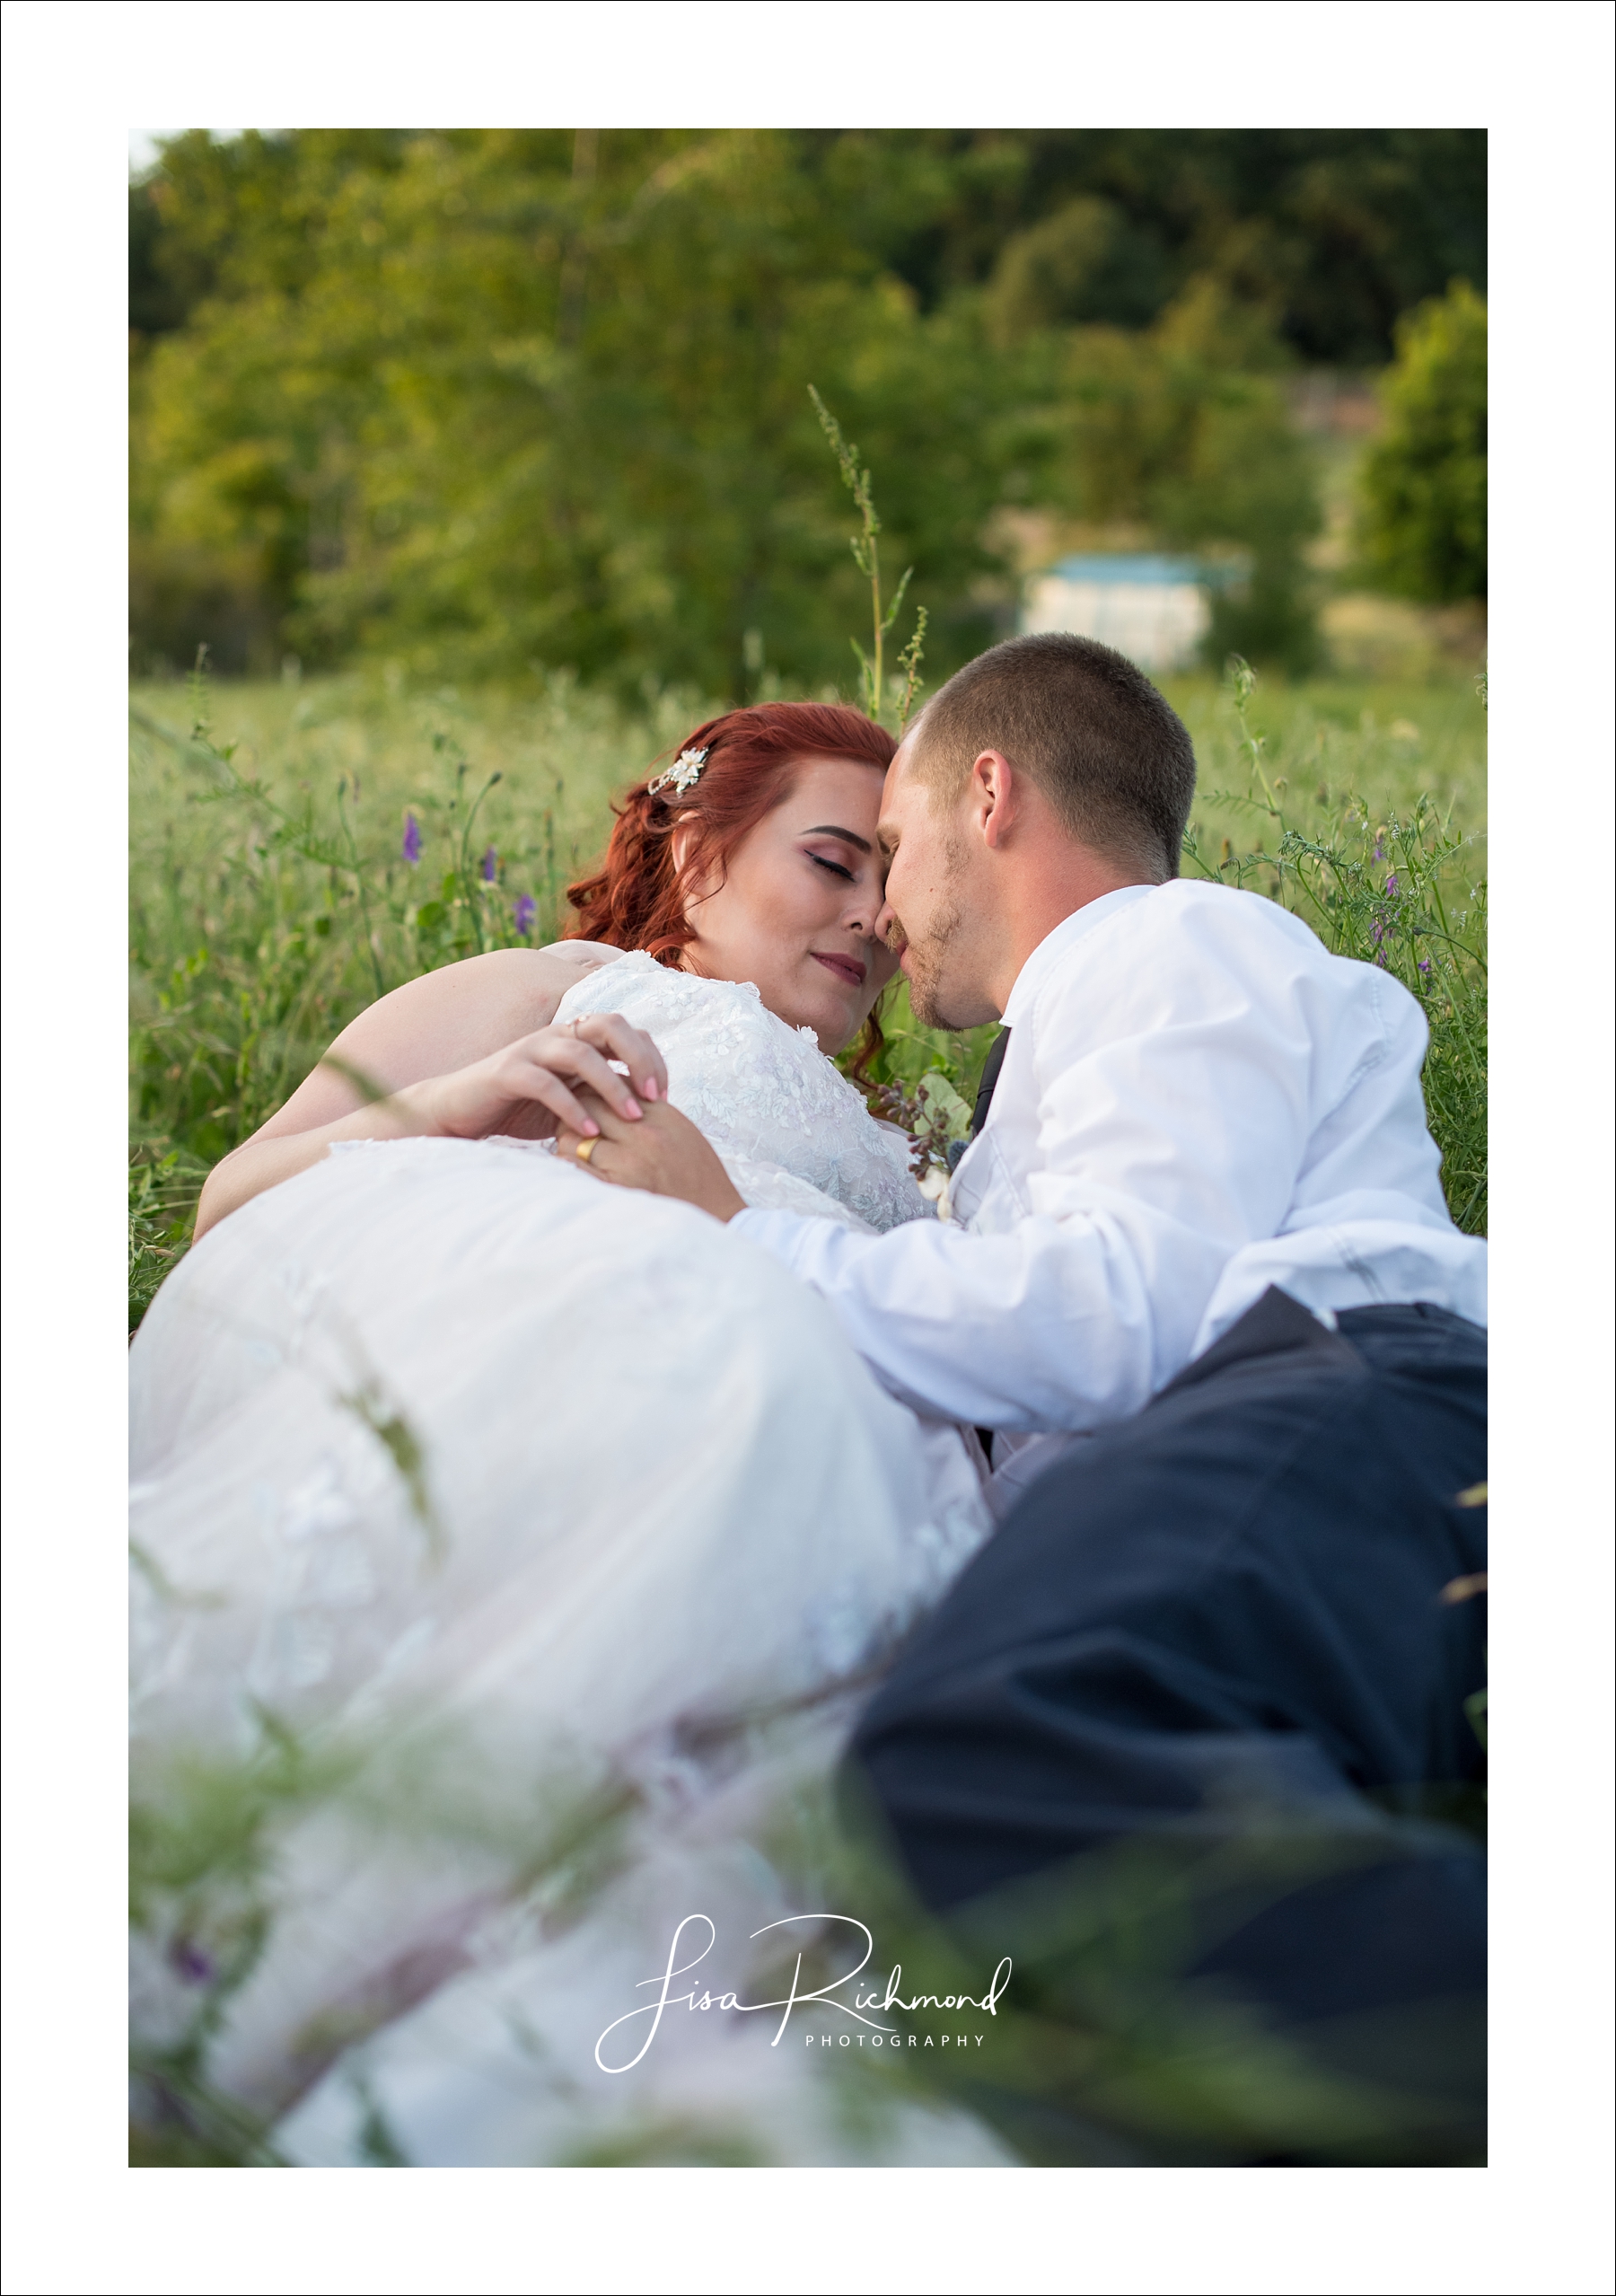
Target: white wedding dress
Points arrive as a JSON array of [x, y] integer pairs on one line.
[[509, 1550]]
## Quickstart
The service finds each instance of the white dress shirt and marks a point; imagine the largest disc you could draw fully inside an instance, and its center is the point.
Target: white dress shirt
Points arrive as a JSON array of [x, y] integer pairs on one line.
[[1198, 1101]]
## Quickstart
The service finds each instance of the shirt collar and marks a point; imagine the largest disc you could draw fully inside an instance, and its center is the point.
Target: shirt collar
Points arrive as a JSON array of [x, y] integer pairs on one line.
[[1054, 945]]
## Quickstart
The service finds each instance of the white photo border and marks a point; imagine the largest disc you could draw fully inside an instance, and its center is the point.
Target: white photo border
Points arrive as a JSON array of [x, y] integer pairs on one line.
[[1536, 74]]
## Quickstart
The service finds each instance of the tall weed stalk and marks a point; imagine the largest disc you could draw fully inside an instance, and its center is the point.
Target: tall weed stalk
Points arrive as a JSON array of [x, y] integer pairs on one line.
[[866, 547]]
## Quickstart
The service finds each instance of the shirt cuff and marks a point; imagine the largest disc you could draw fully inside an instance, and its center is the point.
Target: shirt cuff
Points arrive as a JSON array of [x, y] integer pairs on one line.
[[783, 1235]]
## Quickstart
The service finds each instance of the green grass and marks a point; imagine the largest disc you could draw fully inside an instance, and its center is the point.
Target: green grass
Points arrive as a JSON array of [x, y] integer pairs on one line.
[[271, 899], [1389, 743]]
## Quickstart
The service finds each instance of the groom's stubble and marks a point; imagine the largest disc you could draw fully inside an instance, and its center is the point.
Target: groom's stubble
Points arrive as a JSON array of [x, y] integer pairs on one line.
[[927, 947]]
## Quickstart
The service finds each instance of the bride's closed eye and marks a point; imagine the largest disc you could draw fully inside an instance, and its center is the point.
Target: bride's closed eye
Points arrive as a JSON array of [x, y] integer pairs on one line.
[[835, 867]]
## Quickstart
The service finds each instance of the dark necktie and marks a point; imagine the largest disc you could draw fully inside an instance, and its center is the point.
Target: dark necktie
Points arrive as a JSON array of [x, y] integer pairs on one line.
[[990, 1077], [978, 1117]]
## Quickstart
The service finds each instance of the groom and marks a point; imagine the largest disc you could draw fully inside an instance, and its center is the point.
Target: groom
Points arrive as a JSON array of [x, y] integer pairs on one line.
[[1201, 1289]]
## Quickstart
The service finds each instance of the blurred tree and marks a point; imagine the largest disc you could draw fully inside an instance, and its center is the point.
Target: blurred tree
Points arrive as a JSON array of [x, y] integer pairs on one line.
[[156, 305], [1333, 232], [487, 398], [1082, 263], [227, 219], [1183, 429], [511, 398], [1422, 525]]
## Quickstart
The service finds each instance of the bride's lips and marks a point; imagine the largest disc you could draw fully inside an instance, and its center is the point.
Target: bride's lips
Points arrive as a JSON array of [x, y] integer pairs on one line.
[[845, 967]]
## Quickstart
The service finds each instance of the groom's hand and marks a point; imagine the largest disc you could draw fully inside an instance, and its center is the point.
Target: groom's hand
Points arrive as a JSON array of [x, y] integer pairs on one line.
[[663, 1153]]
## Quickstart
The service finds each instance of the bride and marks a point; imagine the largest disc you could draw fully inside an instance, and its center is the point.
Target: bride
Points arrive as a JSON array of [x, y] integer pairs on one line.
[[505, 1542]]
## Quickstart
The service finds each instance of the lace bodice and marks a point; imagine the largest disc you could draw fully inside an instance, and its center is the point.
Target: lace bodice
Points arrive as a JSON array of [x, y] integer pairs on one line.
[[793, 1133]]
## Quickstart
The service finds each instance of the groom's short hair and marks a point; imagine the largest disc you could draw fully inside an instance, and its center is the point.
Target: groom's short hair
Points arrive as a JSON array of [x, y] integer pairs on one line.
[[1113, 760]]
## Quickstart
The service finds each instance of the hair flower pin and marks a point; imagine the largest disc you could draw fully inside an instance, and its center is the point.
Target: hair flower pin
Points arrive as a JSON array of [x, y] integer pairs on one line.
[[683, 773]]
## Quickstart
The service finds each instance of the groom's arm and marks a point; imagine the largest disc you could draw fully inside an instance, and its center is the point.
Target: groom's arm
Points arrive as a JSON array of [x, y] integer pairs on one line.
[[1076, 1312], [1028, 1331], [1064, 1321], [907, 1300], [1177, 1095], [1182, 1082]]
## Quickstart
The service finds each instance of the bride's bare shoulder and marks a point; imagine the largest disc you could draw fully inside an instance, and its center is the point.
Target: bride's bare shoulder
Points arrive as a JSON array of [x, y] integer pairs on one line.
[[551, 969], [523, 986], [580, 956], [458, 1014], [542, 972]]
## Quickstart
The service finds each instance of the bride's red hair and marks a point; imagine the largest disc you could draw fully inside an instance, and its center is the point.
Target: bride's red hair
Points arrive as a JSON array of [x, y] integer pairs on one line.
[[638, 898]]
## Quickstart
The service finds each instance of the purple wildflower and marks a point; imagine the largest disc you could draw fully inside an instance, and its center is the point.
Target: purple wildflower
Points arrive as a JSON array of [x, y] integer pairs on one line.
[[1425, 963], [1379, 957], [412, 840], [1392, 885], [1379, 850], [189, 1961], [527, 909], [491, 865]]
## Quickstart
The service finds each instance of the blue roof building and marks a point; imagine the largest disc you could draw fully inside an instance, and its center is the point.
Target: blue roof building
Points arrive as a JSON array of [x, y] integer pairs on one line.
[[1151, 607]]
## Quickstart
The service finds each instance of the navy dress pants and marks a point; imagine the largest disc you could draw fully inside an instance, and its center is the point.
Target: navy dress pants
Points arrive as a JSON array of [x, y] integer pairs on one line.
[[1244, 1608]]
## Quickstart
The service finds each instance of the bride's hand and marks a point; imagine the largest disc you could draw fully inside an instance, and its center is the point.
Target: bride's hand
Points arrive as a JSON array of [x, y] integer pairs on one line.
[[528, 1088], [665, 1154]]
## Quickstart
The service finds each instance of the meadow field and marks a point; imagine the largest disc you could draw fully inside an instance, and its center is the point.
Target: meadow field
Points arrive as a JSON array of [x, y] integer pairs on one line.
[[418, 416], [277, 885]]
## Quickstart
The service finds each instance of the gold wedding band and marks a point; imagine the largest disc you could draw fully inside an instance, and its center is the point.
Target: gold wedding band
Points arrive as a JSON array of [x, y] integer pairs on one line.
[[585, 1149]]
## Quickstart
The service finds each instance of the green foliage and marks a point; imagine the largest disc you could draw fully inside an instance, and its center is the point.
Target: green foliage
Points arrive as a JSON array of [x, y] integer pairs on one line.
[[271, 898], [163, 1195], [692, 2143], [1102, 2049], [1422, 527], [270, 901], [514, 397], [1184, 430], [274, 895], [1332, 232], [1082, 266], [211, 1850], [467, 401], [1099, 2049], [200, 1855], [1397, 890]]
